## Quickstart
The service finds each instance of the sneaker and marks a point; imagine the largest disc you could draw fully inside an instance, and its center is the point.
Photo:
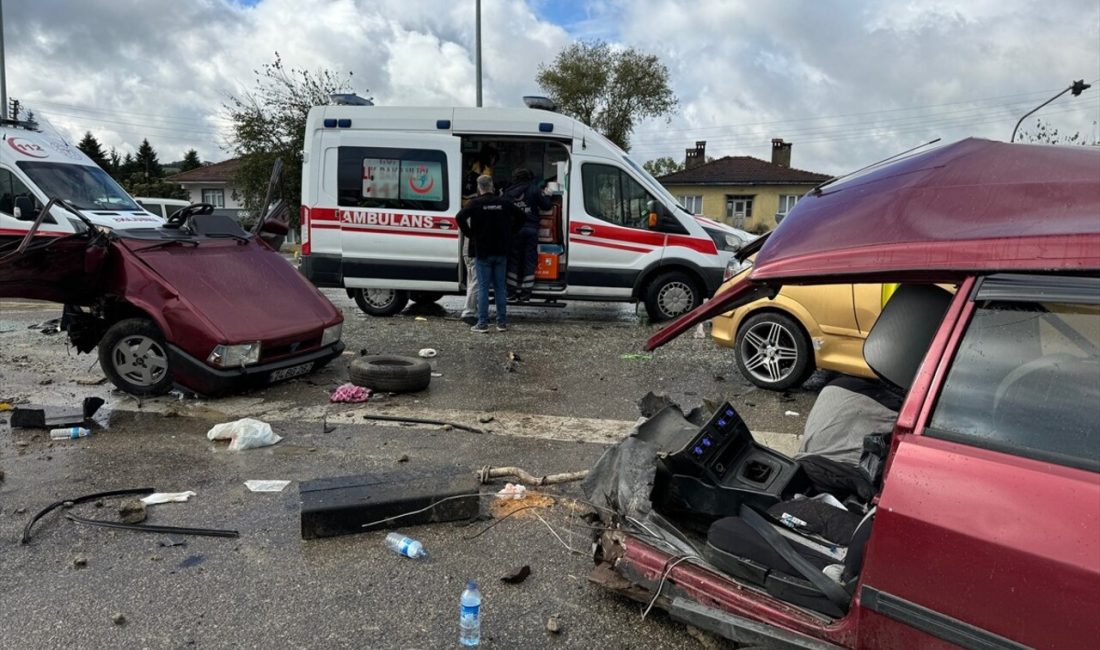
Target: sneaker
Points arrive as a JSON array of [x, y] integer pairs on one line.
[[502, 328], [480, 329]]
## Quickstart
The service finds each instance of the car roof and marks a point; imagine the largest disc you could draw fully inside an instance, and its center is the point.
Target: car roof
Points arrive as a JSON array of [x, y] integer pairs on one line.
[[972, 207]]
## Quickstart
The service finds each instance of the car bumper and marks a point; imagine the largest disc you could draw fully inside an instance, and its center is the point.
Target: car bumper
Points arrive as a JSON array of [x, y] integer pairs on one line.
[[195, 375]]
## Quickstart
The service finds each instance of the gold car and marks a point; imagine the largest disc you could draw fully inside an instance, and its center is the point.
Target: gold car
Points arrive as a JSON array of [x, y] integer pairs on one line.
[[780, 342]]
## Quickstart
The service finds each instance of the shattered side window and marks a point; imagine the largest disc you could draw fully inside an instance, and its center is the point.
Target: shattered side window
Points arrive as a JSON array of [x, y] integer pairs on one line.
[[1026, 380]]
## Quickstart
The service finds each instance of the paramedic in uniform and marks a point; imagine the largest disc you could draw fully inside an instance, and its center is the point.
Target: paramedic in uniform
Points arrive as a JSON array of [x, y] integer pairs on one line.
[[489, 222], [529, 197]]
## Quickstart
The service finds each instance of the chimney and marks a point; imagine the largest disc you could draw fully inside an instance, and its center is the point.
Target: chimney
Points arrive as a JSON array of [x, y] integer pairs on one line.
[[781, 152], [697, 156]]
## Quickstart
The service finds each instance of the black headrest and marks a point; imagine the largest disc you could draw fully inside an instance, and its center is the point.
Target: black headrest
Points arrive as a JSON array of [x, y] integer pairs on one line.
[[900, 337]]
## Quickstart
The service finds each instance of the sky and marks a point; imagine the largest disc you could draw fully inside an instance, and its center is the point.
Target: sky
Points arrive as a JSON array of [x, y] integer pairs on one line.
[[848, 82]]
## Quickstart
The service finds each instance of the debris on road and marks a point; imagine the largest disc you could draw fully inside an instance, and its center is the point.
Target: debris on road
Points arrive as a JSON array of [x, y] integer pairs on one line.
[[515, 491], [791, 413], [266, 486], [487, 473], [437, 374], [169, 541], [427, 353], [132, 511], [167, 497], [68, 503], [118, 618], [245, 433], [388, 373], [485, 419], [5, 406], [79, 562], [46, 417], [442, 423], [350, 393], [517, 576], [403, 458], [147, 528], [637, 356], [405, 546], [553, 625], [69, 433]]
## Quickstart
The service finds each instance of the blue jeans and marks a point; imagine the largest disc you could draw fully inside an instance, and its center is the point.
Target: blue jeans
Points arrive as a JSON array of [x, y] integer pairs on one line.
[[490, 275]]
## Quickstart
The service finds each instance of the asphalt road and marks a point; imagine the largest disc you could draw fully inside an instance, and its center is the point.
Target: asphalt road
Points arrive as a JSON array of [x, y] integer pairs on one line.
[[571, 394]]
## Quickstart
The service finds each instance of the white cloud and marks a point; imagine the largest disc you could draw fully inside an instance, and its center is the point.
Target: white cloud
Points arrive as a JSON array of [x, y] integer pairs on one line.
[[847, 81]]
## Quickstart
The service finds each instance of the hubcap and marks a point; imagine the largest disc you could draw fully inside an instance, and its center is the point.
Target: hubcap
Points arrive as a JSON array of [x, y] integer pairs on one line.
[[140, 360], [379, 298], [675, 298], [769, 351]]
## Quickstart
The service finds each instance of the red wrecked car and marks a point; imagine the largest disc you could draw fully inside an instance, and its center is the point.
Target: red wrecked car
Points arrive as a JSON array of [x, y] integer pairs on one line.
[[193, 301], [973, 518]]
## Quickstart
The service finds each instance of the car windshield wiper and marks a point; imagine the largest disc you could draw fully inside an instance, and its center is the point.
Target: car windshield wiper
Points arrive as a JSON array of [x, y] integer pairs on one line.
[[226, 235], [167, 242]]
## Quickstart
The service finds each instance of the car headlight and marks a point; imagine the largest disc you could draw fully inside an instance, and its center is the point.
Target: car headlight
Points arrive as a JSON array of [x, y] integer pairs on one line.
[[733, 242], [332, 334], [234, 356], [735, 267]]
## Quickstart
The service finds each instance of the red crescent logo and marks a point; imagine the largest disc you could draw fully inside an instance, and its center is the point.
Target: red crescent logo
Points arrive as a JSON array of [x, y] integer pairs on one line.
[[28, 148], [425, 190]]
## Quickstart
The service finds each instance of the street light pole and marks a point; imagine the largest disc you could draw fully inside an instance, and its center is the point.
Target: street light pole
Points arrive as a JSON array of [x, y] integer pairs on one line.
[[1077, 87], [477, 50]]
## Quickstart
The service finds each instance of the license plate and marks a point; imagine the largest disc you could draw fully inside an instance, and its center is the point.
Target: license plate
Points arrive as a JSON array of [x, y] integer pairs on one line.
[[293, 371]]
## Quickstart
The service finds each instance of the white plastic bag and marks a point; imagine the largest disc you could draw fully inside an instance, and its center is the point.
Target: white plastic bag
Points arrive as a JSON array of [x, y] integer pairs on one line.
[[245, 433]]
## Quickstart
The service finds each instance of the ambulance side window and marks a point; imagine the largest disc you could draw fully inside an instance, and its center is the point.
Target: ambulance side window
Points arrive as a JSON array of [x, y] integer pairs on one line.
[[612, 195], [387, 177], [10, 189]]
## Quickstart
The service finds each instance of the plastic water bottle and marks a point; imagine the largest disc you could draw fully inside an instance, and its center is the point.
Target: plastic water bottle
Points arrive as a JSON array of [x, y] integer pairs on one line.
[[469, 615], [69, 433], [405, 545]]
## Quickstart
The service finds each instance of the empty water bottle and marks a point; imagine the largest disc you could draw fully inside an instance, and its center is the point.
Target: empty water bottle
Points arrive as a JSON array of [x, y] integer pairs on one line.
[[405, 545], [469, 615], [69, 433]]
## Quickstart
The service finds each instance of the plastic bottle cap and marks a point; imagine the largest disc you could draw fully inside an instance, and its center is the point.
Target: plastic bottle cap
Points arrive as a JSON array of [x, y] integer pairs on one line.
[[471, 585]]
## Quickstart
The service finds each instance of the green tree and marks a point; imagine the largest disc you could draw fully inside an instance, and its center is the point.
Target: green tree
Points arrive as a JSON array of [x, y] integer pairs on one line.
[[269, 122], [146, 163], [662, 166], [114, 161], [606, 88], [154, 188], [190, 161], [125, 168], [94, 150]]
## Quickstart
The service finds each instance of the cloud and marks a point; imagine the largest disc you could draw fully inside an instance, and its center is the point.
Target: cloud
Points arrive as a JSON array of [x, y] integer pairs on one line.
[[848, 82]]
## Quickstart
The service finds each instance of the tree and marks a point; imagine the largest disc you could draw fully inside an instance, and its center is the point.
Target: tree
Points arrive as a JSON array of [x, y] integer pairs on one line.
[[1046, 134], [126, 168], [269, 122], [662, 166], [608, 89], [114, 161], [190, 161], [92, 149], [154, 188], [146, 163]]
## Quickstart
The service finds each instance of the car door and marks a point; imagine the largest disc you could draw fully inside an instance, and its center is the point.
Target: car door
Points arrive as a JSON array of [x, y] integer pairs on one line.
[[393, 197], [988, 527], [610, 243]]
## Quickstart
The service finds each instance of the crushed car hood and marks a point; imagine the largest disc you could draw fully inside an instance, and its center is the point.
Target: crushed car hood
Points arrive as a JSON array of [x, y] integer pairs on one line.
[[975, 206], [246, 291]]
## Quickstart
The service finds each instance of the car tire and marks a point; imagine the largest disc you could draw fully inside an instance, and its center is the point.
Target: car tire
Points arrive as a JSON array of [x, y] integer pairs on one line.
[[425, 297], [391, 374], [670, 295], [380, 302], [773, 351], [134, 356]]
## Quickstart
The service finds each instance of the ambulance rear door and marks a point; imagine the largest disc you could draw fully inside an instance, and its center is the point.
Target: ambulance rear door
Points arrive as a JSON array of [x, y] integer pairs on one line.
[[393, 197]]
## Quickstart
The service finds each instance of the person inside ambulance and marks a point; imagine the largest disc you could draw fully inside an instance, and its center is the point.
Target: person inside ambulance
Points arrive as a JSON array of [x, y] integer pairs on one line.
[[528, 196]]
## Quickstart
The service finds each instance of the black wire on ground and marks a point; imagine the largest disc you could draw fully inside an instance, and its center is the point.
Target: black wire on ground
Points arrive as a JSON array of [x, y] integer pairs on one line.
[[148, 528], [84, 499]]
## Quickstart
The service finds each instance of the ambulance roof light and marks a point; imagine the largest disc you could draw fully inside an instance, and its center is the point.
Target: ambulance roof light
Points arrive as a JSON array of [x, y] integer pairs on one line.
[[540, 102], [349, 99]]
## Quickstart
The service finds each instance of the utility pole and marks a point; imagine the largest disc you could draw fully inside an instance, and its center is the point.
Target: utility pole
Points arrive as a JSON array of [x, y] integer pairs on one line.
[[477, 49], [3, 70]]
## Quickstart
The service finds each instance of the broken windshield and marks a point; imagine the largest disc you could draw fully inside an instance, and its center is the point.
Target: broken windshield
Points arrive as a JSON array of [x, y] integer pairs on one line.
[[86, 187]]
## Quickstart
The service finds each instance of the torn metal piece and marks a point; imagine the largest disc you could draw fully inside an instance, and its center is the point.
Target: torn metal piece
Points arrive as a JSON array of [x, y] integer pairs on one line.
[[487, 473]]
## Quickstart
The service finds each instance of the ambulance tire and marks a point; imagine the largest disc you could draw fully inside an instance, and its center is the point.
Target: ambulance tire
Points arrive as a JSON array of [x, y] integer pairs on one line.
[[380, 302], [425, 297], [134, 356], [672, 294], [391, 374]]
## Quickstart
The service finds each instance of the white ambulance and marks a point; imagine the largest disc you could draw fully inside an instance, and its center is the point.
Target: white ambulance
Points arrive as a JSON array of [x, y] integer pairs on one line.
[[36, 166], [381, 187]]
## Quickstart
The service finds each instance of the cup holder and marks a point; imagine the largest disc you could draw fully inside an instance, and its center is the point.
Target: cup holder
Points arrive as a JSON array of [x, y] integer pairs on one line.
[[757, 472]]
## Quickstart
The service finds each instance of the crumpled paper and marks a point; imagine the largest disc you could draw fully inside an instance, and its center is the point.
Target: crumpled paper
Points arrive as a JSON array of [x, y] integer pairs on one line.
[[166, 497], [514, 491], [245, 433], [350, 393]]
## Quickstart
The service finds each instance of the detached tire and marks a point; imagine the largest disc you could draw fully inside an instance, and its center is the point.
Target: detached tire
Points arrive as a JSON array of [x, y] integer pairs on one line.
[[380, 302], [391, 374], [134, 357], [773, 352], [671, 294]]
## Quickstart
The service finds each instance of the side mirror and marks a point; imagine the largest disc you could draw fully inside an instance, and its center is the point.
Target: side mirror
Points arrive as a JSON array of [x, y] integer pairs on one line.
[[26, 208]]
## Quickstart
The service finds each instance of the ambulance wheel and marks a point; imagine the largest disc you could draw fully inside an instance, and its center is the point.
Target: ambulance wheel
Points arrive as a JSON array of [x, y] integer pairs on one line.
[[134, 357], [425, 297], [381, 302], [773, 352], [671, 294]]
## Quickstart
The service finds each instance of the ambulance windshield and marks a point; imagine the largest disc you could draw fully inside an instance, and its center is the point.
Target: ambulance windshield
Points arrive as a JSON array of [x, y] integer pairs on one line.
[[84, 186]]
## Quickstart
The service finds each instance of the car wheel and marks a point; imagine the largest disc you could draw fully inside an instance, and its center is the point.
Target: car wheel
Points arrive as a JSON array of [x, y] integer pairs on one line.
[[425, 297], [391, 374], [134, 357], [773, 352], [380, 302], [670, 295]]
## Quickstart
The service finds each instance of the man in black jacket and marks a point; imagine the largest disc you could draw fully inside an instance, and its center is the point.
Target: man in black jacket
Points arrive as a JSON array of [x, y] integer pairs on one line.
[[529, 197], [490, 221]]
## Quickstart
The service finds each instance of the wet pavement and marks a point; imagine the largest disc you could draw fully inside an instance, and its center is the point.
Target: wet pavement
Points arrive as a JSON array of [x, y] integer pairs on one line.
[[571, 394]]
